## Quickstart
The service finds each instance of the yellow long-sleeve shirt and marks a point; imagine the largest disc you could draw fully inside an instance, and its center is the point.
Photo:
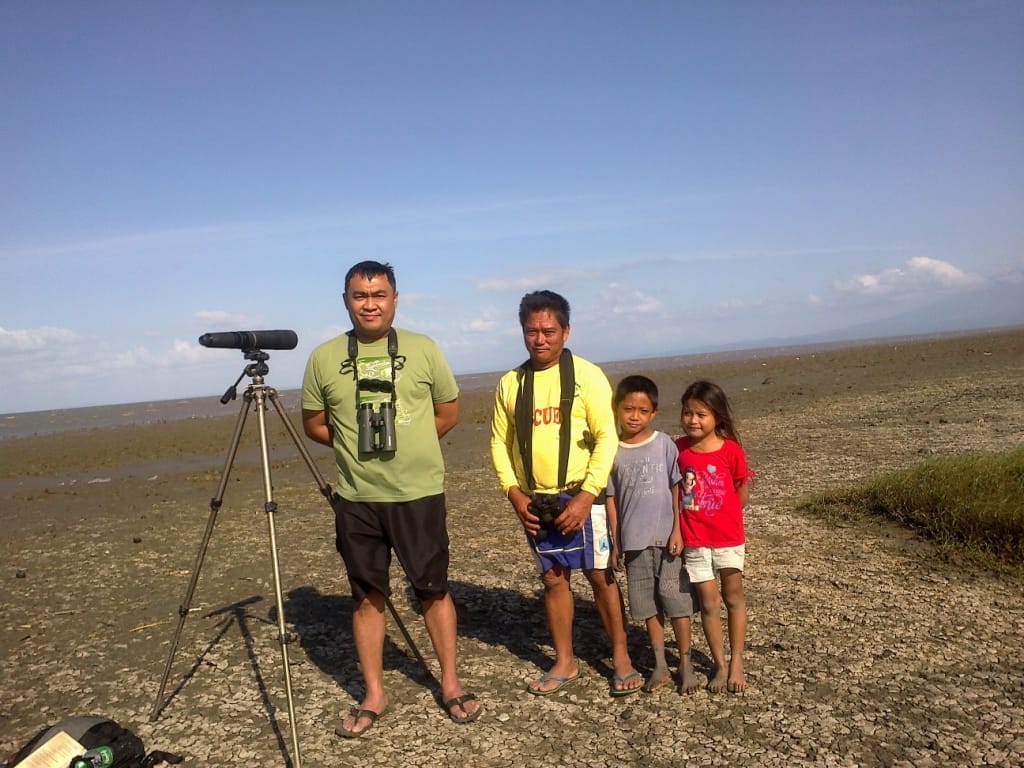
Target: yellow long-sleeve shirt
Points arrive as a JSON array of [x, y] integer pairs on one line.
[[591, 413]]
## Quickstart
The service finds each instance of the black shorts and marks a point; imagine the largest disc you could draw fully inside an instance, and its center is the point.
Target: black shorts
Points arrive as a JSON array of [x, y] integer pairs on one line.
[[416, 530]]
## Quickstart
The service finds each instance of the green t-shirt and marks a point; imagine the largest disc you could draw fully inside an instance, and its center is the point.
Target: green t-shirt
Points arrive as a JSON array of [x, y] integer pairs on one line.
[[422, 379]]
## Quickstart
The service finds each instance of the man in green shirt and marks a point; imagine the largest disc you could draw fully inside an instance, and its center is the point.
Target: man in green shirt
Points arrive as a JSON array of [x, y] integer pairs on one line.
[[382, 398]]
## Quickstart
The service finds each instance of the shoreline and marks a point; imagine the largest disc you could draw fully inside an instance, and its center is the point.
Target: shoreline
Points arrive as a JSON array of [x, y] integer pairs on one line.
[[39, 423]]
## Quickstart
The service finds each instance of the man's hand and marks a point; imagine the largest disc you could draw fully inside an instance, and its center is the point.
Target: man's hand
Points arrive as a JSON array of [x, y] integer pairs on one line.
[[521, 503], [575, 513]]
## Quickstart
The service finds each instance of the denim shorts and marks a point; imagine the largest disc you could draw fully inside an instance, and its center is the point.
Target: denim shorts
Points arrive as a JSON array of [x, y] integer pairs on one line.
[[656, 582]]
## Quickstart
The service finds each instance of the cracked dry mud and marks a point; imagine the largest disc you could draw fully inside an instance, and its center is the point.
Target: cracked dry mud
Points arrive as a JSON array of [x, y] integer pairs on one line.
[[864, 649]]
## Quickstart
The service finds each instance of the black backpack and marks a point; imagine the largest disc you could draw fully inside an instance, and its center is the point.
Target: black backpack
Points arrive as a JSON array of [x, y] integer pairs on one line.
[[92, 731]]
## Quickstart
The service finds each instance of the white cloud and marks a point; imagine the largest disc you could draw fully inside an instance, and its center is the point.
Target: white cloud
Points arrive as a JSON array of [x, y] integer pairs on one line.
[[943, 272], [481, 325], [487, 320], [54, 355], [917, 275], [180, 353], [544, 279], [737, 305], [409, 299], [32, 339], [625, 300], [221, 317]]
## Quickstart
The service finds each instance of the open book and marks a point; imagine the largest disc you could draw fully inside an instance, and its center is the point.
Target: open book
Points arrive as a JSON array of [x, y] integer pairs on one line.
[[56, 752]]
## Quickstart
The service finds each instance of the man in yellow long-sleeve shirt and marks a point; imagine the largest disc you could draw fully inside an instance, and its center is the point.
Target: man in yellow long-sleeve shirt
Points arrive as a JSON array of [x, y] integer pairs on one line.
[[553, 440]]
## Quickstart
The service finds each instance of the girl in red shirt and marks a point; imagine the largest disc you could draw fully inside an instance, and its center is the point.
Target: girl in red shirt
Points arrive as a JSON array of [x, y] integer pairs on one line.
[[712, 524]]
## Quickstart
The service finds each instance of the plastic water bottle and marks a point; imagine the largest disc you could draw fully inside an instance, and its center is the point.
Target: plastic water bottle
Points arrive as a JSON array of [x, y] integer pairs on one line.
[[98, 757]]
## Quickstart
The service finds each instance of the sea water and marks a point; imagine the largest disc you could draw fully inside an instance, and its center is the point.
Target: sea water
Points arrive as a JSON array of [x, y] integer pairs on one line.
[[103, 416]]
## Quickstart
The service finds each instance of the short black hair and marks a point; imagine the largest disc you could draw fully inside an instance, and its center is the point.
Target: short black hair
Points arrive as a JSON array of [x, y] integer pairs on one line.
[[636, 383], [369, 270], [544, 301]]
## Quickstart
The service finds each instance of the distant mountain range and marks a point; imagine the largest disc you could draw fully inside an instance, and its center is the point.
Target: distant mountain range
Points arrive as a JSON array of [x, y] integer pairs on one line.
[[999, 306]]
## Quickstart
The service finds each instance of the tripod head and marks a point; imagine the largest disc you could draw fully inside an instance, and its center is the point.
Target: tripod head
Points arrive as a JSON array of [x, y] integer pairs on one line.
[[256, 370], [259, 365]]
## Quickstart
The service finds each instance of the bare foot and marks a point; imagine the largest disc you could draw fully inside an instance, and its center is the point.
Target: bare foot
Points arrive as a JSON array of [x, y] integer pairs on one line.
[[719, 683], [688, 682], [658, 678], [737, 680]]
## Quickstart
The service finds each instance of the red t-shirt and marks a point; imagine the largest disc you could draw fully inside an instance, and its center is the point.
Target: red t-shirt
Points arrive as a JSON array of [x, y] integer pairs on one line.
[[710, 511]]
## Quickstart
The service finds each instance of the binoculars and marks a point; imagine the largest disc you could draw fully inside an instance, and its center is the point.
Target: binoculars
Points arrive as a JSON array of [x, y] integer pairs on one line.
[[377, 430], [547, 508]]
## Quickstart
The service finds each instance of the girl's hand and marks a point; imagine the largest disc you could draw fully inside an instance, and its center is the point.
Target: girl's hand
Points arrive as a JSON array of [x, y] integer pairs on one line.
[[675, 545]]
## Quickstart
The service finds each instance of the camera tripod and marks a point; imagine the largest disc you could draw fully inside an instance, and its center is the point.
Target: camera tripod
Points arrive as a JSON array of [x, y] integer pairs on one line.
[[258, 392]]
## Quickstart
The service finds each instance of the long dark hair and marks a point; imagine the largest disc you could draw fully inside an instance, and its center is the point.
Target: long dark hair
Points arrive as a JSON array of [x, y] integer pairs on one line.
[[714, 398]]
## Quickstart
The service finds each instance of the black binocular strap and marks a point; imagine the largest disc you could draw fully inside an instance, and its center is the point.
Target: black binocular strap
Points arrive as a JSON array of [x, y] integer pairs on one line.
[[353, 353], [524, 416]]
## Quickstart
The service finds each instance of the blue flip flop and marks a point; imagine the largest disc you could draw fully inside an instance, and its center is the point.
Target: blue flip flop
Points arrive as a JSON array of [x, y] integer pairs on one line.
[[546, 678], [621, 681]]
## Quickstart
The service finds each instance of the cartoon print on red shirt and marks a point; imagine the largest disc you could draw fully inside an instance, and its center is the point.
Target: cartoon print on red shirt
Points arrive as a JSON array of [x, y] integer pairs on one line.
[[690, 489]]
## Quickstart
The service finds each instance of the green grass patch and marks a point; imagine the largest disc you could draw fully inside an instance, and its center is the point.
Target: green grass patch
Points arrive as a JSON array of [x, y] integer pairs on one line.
[[971, 506]]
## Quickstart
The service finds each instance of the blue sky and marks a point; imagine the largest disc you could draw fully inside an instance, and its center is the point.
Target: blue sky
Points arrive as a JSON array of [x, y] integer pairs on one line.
[[689, 175]]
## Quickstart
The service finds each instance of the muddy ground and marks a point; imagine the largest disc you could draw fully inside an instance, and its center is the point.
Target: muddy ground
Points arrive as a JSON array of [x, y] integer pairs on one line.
[[863, 647]]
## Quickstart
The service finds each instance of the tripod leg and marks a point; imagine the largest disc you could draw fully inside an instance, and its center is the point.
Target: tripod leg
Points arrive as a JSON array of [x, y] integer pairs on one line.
[[271, 510], [325, 489], [215, 504], [407, 636]]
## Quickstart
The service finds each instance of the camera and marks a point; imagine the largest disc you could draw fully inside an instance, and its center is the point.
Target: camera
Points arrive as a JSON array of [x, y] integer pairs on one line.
[[377, 429]]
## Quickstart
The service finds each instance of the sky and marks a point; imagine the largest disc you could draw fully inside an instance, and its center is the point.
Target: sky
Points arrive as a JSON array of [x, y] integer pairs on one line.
[[691, 176]]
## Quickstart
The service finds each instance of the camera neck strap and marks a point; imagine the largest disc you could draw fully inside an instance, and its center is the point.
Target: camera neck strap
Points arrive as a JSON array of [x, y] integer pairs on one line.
[[524, 416], [353, 353]]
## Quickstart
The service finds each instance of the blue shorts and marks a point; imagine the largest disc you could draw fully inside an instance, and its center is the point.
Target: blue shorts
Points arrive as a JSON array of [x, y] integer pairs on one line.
[[588, 548]]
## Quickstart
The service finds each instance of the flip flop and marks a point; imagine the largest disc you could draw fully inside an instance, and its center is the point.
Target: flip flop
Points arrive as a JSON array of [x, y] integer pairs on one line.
[[546, 678], [621, 681], [458, 701], [349, 733]]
